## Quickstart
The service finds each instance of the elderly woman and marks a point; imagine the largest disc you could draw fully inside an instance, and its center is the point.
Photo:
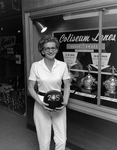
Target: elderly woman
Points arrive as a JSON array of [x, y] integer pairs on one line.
[[49, 73]]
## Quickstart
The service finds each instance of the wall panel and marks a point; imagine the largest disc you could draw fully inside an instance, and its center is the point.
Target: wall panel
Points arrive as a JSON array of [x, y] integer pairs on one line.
[[32, 4]]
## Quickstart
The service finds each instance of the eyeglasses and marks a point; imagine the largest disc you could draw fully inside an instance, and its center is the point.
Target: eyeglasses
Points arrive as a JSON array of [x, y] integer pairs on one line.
[[47, 49]]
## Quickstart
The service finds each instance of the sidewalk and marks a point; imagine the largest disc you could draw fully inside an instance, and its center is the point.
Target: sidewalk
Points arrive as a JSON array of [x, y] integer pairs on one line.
[[15, 136]]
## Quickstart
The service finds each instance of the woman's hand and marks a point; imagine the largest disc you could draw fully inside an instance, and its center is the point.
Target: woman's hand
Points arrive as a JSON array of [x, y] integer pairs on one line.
[[60, 108], [44, 105]]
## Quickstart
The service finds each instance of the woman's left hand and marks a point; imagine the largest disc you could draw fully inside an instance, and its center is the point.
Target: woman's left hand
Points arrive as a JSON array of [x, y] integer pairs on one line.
[[60, 108]]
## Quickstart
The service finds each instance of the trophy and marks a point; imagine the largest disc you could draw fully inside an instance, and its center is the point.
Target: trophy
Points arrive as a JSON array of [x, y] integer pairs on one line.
[[89, 80], [111, 83]]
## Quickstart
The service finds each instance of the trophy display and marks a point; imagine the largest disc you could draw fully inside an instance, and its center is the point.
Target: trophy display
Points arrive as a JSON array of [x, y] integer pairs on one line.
[[88, 81], [111, 84]]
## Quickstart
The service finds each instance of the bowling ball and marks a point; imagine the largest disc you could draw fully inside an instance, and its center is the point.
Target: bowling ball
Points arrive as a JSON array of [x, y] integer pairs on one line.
[[54, 99]]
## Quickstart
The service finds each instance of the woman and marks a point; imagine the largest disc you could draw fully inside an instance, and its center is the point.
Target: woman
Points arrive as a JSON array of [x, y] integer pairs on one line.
[[49, 74]]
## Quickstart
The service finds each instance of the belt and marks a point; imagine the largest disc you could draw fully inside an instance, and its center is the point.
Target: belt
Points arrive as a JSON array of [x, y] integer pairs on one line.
[[41, 93]]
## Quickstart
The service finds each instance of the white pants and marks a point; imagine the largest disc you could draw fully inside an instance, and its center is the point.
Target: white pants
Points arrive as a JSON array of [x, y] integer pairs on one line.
[[44, 120]]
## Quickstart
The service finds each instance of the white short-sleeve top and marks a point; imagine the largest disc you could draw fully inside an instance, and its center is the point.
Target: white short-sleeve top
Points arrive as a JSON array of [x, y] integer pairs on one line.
[[49, 80]]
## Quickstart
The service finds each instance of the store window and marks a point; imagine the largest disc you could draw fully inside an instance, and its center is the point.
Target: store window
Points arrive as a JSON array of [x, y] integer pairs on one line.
[[12, 65], [108, 95]]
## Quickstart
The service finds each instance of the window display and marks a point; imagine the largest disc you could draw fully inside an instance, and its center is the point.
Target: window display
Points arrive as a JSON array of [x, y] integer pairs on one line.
[[79, 49], [12, 90]]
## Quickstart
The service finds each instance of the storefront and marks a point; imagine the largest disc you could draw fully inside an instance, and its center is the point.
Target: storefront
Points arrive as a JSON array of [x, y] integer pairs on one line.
[[87, 32], [11, 58]]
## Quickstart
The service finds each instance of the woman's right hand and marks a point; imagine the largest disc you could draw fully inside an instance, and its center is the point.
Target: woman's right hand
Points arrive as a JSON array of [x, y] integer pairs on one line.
[[33, 93], [44, 105]]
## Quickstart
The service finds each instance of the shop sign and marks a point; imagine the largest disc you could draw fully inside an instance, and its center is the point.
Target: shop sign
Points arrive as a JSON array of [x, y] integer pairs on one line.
[[6, 42], [84, 45]]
